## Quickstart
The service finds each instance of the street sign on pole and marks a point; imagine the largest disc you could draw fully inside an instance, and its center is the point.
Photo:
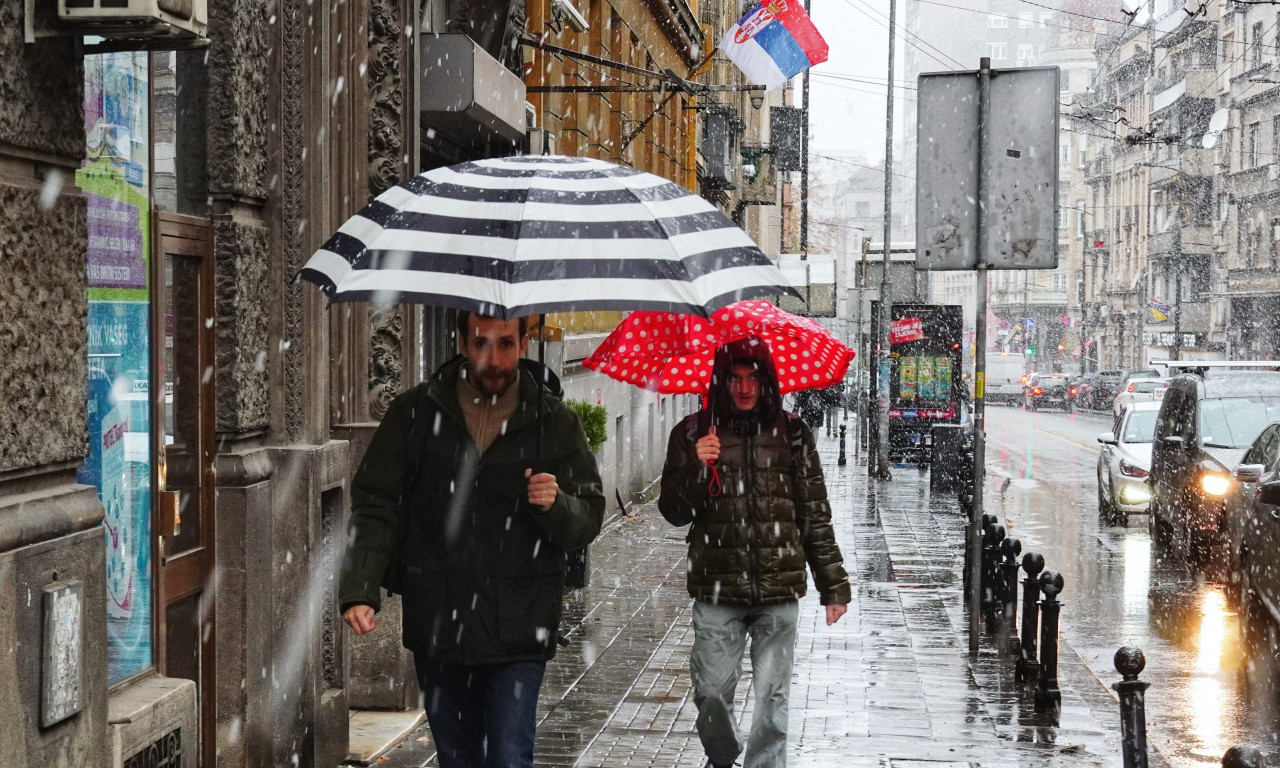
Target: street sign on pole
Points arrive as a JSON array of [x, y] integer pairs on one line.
[[1020, 163]]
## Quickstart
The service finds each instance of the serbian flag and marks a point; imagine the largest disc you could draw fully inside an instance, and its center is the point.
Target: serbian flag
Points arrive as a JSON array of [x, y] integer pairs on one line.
[[774, 42]]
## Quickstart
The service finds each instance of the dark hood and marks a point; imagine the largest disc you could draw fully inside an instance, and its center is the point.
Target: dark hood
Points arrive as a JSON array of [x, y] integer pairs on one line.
[[751, 350]]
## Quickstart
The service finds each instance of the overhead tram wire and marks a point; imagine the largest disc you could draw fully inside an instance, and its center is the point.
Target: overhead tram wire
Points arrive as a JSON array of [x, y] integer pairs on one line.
[[902, 33]]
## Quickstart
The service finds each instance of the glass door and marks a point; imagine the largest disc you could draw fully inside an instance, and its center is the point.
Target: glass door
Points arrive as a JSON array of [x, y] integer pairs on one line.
[[184, 422]]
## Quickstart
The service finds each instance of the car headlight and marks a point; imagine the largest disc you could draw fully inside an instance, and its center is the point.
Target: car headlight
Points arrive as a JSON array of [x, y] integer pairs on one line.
[[1131, 470], [1215, 485], [1135, 493]]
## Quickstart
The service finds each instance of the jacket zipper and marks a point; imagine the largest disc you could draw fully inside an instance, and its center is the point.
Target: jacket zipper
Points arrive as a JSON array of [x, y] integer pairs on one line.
[[750, 466]]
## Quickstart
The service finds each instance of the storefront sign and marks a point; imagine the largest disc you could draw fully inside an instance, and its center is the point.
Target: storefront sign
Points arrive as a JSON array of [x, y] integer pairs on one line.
[[906, 329]]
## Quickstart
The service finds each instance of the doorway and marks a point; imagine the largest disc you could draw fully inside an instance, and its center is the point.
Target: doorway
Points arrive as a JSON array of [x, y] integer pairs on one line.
[[183, 415]]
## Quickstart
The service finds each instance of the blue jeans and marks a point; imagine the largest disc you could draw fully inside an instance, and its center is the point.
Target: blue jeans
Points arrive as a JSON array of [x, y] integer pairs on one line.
[[719, 641], [481, 716]]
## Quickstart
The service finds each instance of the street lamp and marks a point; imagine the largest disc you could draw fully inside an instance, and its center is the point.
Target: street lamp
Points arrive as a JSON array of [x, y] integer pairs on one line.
[[757, 100]]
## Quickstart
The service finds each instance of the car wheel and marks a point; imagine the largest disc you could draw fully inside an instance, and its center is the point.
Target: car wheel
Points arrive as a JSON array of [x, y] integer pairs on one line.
[[1106, 510], [1261, 647], [1159, 533]]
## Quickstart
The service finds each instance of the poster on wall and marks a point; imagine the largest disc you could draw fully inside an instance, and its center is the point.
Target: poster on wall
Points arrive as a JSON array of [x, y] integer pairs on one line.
[[115, 178], [924, 379], [942, 378], [907, 378]]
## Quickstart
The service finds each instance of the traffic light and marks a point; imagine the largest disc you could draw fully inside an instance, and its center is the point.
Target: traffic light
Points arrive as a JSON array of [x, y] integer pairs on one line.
[[1029, 351]]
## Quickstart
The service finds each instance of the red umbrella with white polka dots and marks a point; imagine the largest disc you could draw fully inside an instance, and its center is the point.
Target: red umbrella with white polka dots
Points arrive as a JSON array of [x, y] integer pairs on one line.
[[673, 353]]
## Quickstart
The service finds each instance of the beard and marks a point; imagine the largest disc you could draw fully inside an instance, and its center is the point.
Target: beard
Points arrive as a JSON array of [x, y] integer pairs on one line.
[[491, 381]]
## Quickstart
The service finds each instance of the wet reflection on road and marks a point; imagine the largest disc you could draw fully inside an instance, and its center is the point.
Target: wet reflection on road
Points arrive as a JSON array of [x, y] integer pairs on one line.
[[1118, 592]]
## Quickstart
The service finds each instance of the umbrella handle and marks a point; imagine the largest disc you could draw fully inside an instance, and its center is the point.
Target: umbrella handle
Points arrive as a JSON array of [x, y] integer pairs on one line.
[[714, 487]]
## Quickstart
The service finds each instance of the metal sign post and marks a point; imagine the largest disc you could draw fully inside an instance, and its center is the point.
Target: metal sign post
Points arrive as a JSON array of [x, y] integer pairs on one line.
[[989, 204]]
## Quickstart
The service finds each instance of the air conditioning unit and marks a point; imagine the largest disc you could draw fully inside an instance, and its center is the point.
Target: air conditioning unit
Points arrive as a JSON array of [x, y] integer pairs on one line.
[[181, 21]]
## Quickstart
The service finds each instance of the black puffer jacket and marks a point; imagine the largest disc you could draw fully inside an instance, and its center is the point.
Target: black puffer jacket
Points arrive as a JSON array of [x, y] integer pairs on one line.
[[749, 545], [483, 571]]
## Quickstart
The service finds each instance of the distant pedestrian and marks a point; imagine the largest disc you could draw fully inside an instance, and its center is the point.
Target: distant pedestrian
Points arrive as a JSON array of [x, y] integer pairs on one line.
[[478, 548], [746, 475]]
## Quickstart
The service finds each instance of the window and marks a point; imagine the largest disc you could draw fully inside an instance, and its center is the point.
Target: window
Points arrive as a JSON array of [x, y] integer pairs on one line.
[[1255, 46], [1080, 219], [1222, 206], [1044, 19], [1026, 52], [1157, 204], [863, 209], [1059, 281], [1064, 217], [1251, 146], [1026, 19], [1064, 152], [998, 51], [1082, 151], [1275, 140], [997, 22]]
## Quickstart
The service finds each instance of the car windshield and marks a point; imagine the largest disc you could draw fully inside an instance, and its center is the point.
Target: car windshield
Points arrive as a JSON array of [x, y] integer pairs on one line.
[[1140, 427], [1234, 422]]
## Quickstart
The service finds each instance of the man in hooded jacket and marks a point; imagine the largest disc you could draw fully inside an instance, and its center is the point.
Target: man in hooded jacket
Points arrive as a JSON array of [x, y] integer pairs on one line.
[[498, 484], [747, 476]]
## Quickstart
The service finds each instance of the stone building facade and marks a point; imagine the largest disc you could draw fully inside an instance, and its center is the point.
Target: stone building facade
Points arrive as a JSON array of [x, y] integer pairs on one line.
[[183, 418]]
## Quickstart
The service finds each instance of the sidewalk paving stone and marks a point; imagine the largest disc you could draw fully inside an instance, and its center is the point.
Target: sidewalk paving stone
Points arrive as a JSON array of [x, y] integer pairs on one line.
[[892, 684]]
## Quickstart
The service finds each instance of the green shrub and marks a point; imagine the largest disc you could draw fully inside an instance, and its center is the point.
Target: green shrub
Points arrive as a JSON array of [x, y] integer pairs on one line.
[[595, 420]]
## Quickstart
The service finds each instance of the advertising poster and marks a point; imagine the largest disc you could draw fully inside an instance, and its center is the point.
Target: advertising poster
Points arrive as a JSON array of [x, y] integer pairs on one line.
[[942, 378], [906, 378], [115, 180], [924, 378]]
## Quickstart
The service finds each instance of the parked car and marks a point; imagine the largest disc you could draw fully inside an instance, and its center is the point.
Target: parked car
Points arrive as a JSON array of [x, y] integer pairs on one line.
[[1125, 462], [1253, 499], [1044, 389], [1205, 426], [1139, 390]]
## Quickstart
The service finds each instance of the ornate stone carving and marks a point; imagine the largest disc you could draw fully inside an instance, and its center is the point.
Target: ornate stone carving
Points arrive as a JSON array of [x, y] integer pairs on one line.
[[41, 90], [387, 56], [385, 359], [330, 545], [244, 303], [43, 312], [239, 52], [293, 28]]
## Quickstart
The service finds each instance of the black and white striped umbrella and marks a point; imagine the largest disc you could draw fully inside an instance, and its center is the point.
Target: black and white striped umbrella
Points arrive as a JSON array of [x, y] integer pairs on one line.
[[526, 235]]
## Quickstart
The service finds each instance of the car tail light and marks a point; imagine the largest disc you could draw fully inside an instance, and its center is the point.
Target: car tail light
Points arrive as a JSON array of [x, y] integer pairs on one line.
[[1130, 389], [1073, 390], [1036, 391], [1024, 379]]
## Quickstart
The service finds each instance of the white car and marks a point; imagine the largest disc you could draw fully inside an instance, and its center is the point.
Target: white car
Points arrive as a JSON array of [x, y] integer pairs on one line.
[[1125, 462], [1143, 390]]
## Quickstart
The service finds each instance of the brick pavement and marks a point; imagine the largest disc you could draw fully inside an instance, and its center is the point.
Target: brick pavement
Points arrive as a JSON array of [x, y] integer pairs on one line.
[[891, 683]]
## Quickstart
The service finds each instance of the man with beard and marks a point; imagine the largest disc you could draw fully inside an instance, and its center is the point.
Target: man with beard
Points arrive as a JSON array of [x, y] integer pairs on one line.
[[746, 475], [472, 490]]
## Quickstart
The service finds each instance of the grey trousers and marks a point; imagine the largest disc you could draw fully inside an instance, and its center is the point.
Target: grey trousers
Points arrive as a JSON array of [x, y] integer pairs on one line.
[[720, 638]]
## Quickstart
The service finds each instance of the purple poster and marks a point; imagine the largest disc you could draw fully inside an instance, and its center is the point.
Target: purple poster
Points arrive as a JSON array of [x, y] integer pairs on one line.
[[116, 255]]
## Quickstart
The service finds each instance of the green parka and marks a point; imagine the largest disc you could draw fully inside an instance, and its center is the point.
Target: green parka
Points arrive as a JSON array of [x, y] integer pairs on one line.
[[749, 545], [483, 572]]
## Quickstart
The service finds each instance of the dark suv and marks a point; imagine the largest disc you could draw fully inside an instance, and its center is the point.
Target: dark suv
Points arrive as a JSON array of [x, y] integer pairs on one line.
[[1044, 389], [1205, 425]]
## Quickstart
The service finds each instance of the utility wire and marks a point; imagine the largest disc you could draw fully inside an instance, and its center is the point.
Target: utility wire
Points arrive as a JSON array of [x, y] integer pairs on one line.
[[903, 33]]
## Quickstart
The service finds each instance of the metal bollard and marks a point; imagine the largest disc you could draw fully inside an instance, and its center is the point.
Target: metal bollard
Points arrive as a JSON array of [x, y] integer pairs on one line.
[[1047, 693], [1243, 756], [1028, 668], [1010, 548], [1129, 663], [993, 534], [840, 460]]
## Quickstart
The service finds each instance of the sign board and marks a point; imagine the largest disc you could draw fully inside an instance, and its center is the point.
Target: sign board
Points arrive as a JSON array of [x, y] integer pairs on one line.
[[906, 329], [1021, 194]]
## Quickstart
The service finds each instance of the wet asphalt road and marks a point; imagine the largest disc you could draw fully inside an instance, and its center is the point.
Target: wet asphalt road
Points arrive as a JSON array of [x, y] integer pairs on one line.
[[1117, 593]]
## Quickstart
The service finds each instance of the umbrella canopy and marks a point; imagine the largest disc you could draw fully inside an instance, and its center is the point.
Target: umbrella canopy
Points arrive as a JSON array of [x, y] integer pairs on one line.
[[525, 235], [674, 353]]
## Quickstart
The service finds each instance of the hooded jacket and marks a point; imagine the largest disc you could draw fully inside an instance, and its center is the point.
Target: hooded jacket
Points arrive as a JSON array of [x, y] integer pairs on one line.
[[483, 572], [749, 545]]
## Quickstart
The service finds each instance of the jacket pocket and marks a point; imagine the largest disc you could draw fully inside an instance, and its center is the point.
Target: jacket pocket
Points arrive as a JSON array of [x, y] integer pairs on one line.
[[529, 613]]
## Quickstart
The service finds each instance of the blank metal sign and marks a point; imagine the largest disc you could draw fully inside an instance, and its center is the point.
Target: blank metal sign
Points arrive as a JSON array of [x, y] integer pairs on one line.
[[1021, 197]]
